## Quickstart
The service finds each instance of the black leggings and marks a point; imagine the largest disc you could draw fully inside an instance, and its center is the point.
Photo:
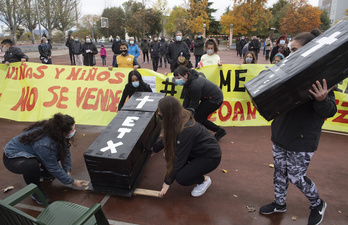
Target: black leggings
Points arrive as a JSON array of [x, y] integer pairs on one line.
[[145, 54], [202, 113], [29, 167], [194, 171]]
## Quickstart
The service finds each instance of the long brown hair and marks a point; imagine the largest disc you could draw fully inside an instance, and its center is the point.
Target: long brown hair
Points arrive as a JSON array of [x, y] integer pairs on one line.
[[174, 119], [56, 128]]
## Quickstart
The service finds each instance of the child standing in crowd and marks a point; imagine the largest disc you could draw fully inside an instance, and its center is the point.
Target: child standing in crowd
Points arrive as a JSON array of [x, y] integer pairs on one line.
[[211, 58], [124, 60], [103, 54], [250, 58]]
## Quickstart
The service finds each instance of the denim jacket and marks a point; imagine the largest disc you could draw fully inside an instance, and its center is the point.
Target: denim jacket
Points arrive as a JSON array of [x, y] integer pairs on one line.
[[45, 150]]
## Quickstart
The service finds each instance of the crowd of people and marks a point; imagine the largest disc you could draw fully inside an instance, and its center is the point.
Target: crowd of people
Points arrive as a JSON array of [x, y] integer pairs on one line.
[[190, 150]]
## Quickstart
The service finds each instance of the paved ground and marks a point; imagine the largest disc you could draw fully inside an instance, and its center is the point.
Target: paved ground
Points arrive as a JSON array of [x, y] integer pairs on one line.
[[246, 155]]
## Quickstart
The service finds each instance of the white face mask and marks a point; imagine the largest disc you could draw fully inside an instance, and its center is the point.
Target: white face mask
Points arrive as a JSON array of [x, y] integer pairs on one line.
[[88, 40], [248, 60], [210, 52], [4, 49], [131, 42]]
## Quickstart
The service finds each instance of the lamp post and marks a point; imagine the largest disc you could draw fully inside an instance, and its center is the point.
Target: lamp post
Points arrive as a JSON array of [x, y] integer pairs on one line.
[[204, 29], [272, 32], [231, 35]]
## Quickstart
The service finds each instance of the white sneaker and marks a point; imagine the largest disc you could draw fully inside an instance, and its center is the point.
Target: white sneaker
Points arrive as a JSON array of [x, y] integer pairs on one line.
[[200, 189]]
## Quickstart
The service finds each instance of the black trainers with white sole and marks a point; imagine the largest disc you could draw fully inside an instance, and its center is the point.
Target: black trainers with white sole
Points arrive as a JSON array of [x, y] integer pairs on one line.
[[272, 208], [317, 214]]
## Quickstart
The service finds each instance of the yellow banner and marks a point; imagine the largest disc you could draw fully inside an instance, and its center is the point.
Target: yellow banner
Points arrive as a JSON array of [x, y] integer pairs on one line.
[[32, 92]]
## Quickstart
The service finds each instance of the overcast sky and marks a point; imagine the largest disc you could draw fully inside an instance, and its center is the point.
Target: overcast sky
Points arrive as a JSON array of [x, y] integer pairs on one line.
[[92, 7]]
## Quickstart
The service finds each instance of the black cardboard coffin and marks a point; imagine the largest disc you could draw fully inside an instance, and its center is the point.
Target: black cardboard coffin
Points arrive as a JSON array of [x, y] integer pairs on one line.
[[285, 85], [116, 157]]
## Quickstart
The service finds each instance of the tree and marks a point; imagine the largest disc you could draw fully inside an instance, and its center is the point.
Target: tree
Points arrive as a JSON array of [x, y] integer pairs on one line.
[[89, 21], [178, 21], [325, 21], [300, 17], [67, 16], [134, 18], [11, 14], [247, 17], [30, 18], [162, 7], [153, 22], [49, 13], [197, 15], [214, 26], [117, 18], [278, 11]]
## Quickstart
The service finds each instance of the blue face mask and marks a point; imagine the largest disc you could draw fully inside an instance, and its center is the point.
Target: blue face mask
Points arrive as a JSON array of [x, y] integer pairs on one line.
[[135, 84], [178, 38], [76, 39], [117, 39], [71, 135], [282, 42], [199, 36], [180, 82]]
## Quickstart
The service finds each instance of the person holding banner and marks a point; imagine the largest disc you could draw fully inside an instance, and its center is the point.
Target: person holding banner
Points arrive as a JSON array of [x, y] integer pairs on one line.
[[211, 58], [12, 54], [295, 137], [201, 96], [135, 84], [191, 151], [37, 151]]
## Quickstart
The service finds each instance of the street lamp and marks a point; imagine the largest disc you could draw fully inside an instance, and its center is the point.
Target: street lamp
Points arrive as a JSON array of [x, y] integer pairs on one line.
[[231, 35], [204, 29]]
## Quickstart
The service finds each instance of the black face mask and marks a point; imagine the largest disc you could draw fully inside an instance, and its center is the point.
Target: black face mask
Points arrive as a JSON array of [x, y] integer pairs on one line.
[[124, 52]]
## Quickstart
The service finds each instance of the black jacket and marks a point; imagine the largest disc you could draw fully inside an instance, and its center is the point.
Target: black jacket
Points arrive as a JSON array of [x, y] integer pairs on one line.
[[275, 51], [194, 141], [254, 45], [164, 47], [44, 50], [299, 129], [69, 43], [155, 49], [76, 47], [88, 58], [116, 47], [199, 46], [129, 90], [174, 50], [198, 88], [14, 54], [242, 43]]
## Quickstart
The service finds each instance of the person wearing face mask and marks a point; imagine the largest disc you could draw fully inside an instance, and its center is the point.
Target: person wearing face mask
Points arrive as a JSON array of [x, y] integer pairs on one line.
[[254, 46], [191, 151], [199, 48], [12, 54], [211, 58], [250, 58], [281, 47], [135, 84], [45, 52], [124, 60], [89, 50], [295, 137], [155, 52], [116, 48], [163, 51], [201, 96], [145, 48], [133, 50], [174, 50], [77, 51], [37, 151]]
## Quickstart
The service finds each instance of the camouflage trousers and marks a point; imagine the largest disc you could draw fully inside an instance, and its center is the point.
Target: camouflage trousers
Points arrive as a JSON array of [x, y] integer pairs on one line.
[[293, 166]]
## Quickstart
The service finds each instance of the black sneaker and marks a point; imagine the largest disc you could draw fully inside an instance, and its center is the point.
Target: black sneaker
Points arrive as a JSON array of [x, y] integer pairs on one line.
[[36, 198], [317, 214], [272, 208], [219, 134]]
